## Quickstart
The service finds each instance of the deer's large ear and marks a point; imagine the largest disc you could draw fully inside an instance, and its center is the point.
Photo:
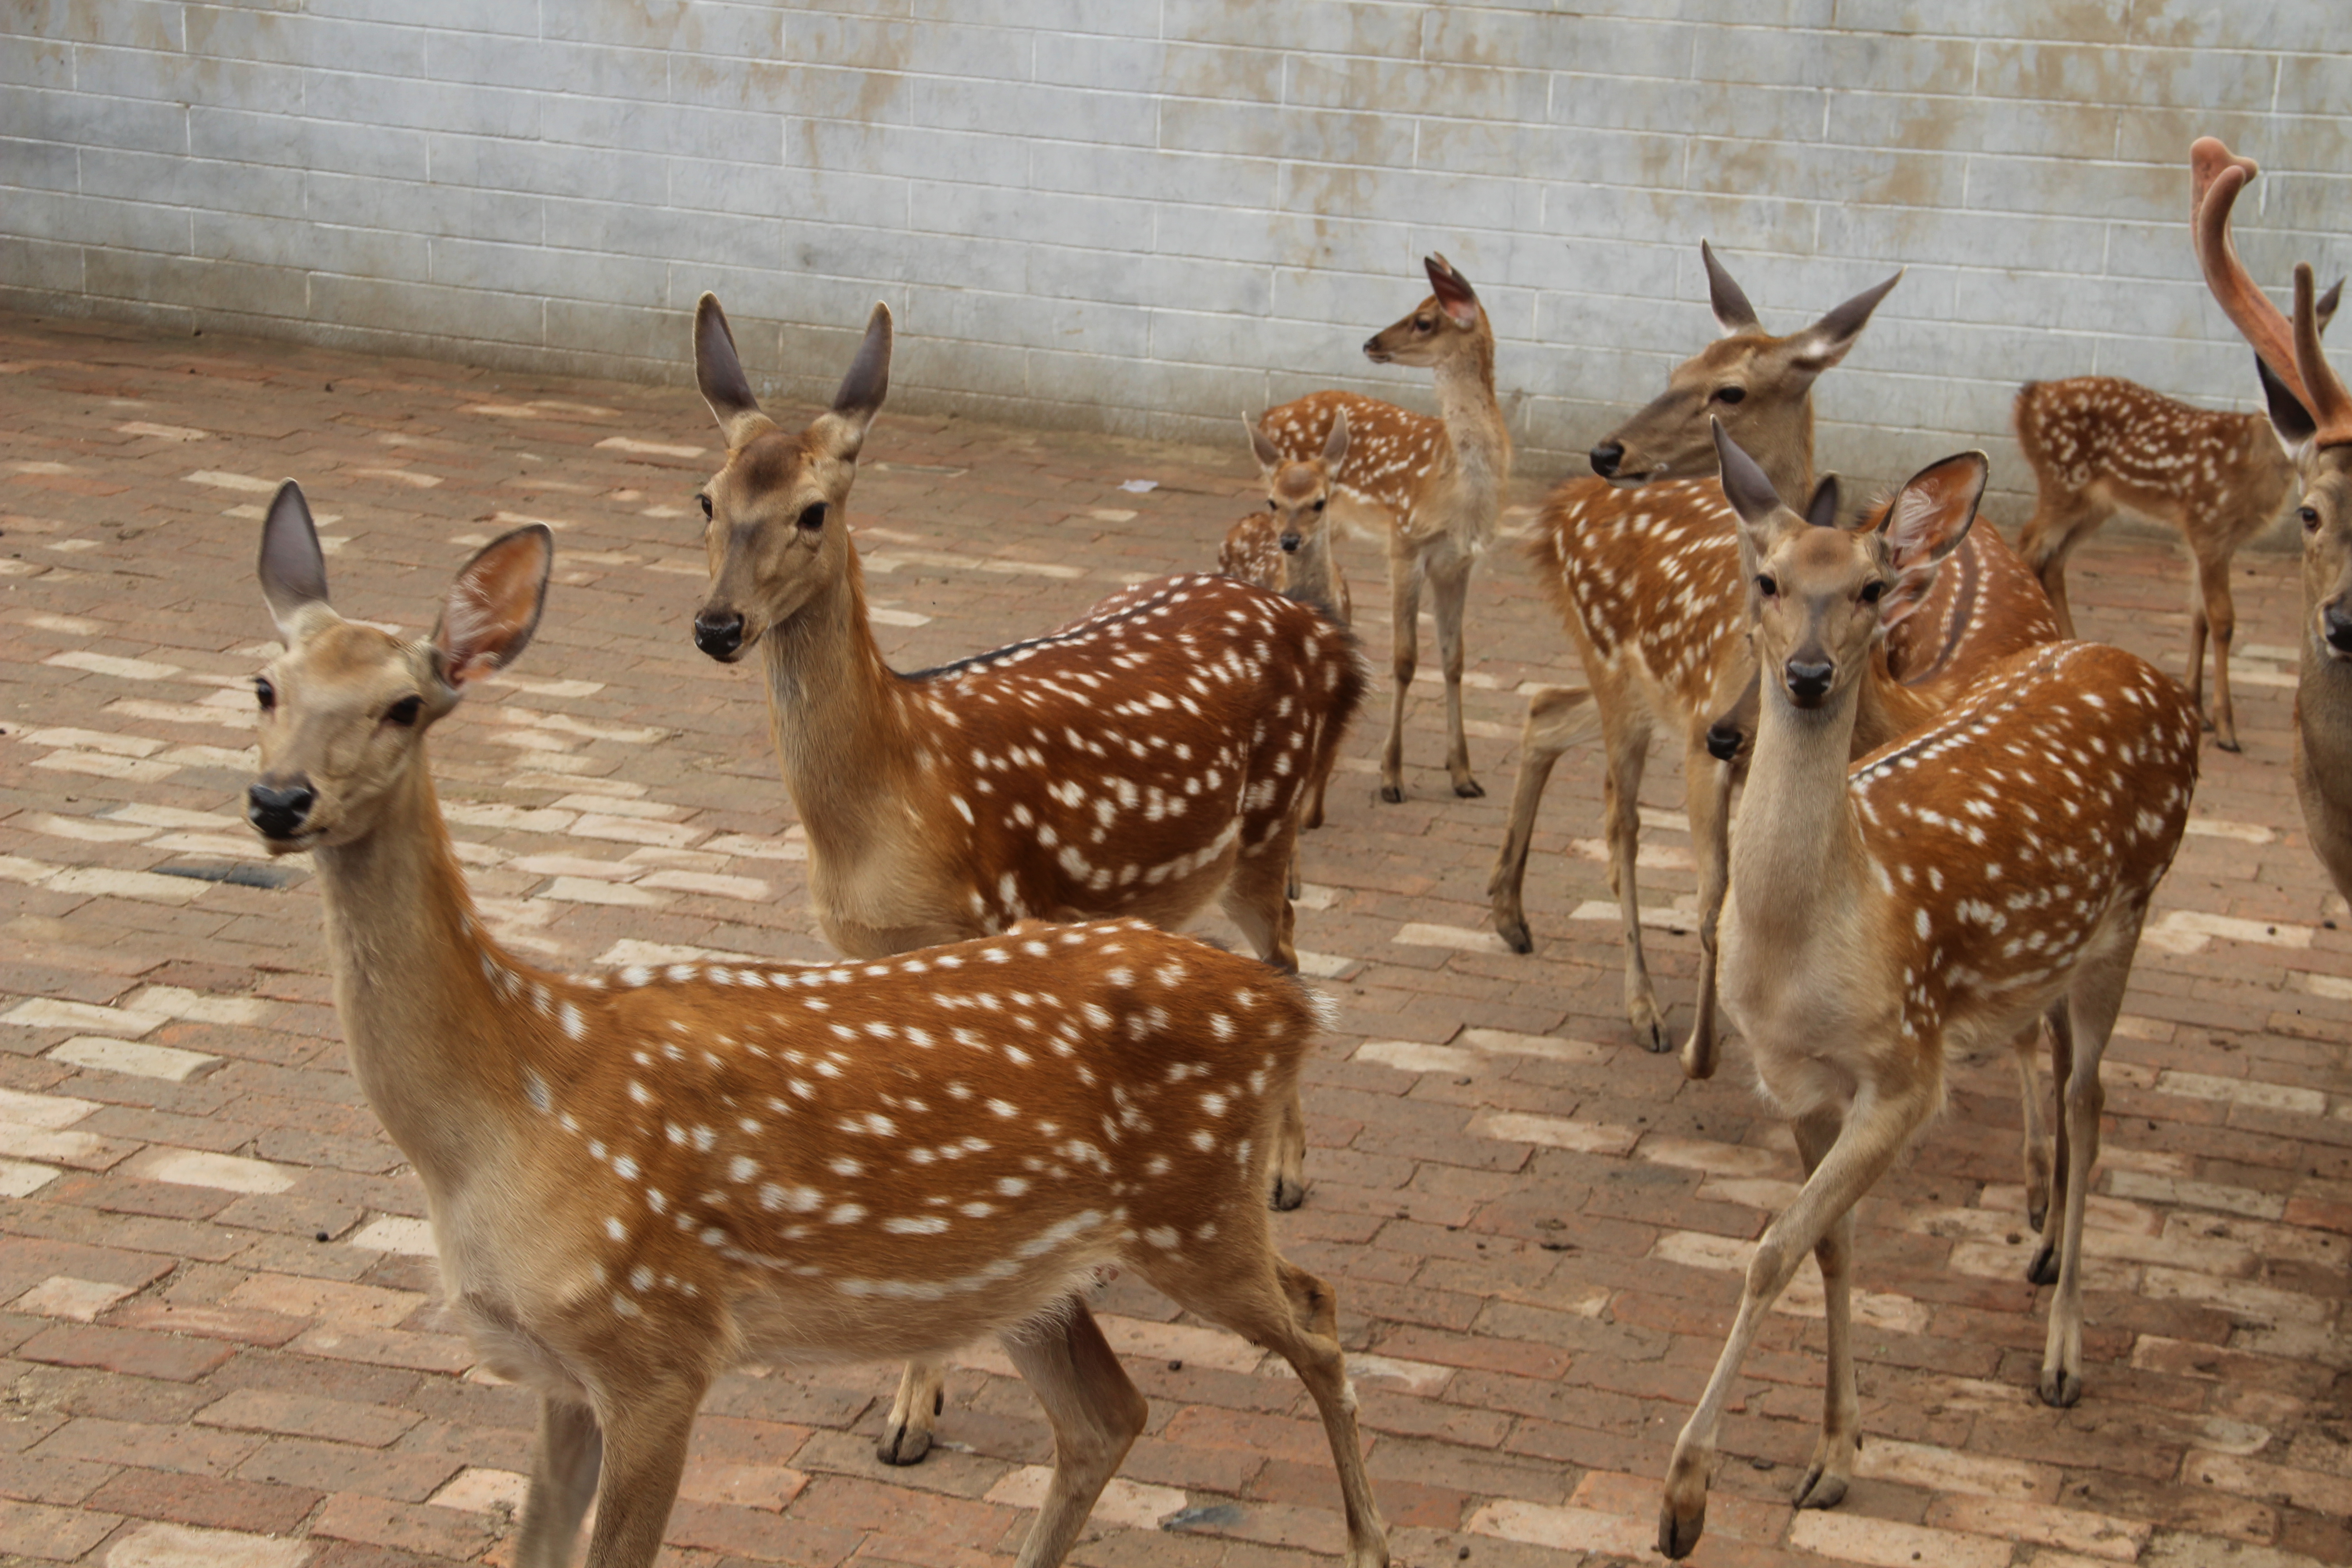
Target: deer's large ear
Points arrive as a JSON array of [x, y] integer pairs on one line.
[[1821, 512], [293, 570], [2289, 417], [1268, 454], [1733, 313], [1925, 523], [1453, 293], [720, 374], [1752, 496], [869, 381], [2328, 302], [493, 606], [1335, 444], [1829, 339]]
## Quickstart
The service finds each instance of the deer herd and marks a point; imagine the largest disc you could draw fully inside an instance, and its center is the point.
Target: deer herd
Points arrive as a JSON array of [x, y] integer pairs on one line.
[[1014, 1081]]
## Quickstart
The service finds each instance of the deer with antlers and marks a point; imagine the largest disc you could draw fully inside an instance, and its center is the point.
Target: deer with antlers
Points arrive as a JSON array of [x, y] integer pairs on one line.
[[2312, 413], [1148, 760], [639, 1179], [2098, 444], [1288, 548], [1430, 490], [1646, 580], [1944, 893]]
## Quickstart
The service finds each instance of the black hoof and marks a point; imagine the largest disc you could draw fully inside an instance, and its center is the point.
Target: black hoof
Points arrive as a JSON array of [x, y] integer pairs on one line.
[[1288, 1194], [1817, 1490], [1654, 1040], [2229, 745], [2059, 1390], [1470, 789], [1677, 1536], [1393, 794], [1516, 935], [2043, 1269], [900, 1446]]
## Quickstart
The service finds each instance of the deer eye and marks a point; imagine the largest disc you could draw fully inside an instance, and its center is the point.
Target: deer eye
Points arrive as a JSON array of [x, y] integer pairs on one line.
[[1766, 586], [265, 694], [1271, 504], [704, 497], [1424, 323], [812, 518], [1730, 393], [1871, 591], [404, 711], [1321, 504], [2309, 514]]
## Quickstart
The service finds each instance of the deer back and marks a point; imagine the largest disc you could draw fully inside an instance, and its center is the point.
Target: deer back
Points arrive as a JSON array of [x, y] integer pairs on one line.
[[2112, 442], [1394, 458]]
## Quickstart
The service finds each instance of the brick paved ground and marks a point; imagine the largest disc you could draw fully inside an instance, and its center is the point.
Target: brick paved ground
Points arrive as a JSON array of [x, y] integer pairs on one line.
[[215, 1308]]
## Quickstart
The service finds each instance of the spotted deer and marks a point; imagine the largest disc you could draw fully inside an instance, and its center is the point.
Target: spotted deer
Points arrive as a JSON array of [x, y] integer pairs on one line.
[[2312, 413], [1148, 760], [1941, 895], [1288, 547], [1644, 574], [640, 1178], [2099, 445], [1430, 490]]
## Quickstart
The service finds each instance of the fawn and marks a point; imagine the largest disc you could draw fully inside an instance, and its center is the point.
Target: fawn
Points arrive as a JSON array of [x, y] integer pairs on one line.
[[641, 1178]]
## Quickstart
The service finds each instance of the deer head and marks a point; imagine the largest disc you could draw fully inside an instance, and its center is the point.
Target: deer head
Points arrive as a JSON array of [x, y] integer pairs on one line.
[[345, 708], [1823, 596], [1299, 491], [776, 532], [1757, 386], [2309, 406], [1440, 328]]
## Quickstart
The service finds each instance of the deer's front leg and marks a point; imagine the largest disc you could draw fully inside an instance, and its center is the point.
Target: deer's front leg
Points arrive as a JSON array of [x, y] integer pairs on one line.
[[646, 1430], [564, 1463], [1404, 657], [1450, 588]]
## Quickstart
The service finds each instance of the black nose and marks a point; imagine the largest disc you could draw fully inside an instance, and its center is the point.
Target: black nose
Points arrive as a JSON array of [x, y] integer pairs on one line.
[[2338, 625], [278, 812], [1724, 740], [1606, 456], [719, 635], [1289, 543], [1808, 682]]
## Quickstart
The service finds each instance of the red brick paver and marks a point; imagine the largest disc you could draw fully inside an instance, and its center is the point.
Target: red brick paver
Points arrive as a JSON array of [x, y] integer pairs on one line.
[[221, 1335]]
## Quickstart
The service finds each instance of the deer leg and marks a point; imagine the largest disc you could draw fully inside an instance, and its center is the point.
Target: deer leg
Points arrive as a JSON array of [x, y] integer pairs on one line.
[[645, 1434], [1405, 569], [2217, 611], [1873, 1132], [1628, 740], [1270, 1302], [2092, 1003], [1254, 901], [1706, 797], [1556, 718], [2059, 1027], [1832, 1470], [2050, 537], [563, 1467], [1451, 589], [907, 1435], [2036, 1139], [1095, 1414]]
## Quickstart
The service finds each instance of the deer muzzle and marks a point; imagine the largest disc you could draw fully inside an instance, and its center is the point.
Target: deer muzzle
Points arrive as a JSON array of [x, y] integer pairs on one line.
[[720, 634], [1808, 680], [279, 812], [2335, 629]]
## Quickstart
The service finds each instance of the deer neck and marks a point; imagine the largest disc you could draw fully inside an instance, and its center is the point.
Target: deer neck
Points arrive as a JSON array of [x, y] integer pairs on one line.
[[1474, 420], [835, 711], [1788, 460], [1885, 709], [1310, 573], [413, 984], [1798, 852]]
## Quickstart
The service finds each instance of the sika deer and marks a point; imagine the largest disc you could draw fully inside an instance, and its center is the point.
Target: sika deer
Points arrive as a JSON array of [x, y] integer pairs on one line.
[[1148, 760], [1938, 896], [1432, 490], [639, 1179], [2098, 445], [1647, 582]]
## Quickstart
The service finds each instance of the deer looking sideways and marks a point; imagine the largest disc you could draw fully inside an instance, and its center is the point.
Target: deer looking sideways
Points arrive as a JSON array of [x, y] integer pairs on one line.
[[1942, 895], [639, 1179], [2098, 444], [1147, 760], [1432, 490], [1647, 582], [2313, 415]]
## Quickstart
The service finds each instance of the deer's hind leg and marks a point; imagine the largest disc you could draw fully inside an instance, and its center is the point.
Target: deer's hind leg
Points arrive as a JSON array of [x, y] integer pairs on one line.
[[1257, 900], [1626, 732], [1406, 567], [1558, 717], [1706, 797], [2061, 520], [2214, 611], [1449, 580], [1094, 1410], [2091, 1003], [907, 1434]]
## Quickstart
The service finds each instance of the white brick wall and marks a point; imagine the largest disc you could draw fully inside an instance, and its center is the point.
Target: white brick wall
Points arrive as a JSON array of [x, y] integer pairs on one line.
[[1145, 216]]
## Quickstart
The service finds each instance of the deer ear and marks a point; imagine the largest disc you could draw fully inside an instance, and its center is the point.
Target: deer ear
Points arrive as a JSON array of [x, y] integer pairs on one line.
[[2328, 302], [1829, 339], [1925, 523], [867, 381], [293, 570], [1733, 313], [1335, 444], [2289, 417], [1453, 290], [493, 606], [1821, 512], [1745, 486], [720, 374], [1268, 454]]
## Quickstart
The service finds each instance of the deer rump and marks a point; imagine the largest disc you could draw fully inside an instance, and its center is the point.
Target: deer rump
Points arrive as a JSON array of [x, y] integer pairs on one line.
[[1179, 724]]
